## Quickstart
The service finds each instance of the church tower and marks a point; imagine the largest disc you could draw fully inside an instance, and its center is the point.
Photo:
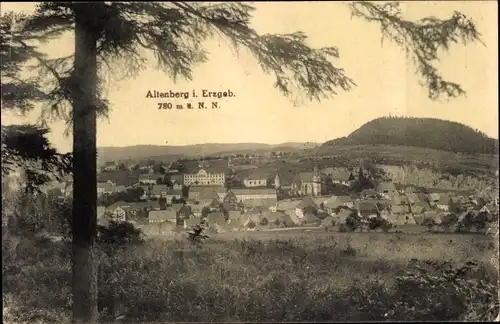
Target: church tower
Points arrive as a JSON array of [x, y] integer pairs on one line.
[[316, 181]]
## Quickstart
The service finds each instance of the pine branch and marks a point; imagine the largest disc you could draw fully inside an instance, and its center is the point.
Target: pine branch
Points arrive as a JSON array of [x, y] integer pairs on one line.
[[422, 40]]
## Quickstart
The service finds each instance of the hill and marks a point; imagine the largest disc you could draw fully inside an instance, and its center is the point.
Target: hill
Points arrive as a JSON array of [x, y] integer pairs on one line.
[[427, 133], [170, 152]]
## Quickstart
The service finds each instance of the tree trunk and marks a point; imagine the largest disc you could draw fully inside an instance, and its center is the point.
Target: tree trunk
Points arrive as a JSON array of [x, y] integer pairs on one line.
[[84, 169]]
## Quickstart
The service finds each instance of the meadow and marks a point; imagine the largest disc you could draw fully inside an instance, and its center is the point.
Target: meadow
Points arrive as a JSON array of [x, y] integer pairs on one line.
[[256, 277]]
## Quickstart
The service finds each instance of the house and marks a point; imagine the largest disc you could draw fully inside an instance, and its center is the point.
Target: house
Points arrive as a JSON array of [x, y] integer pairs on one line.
[[230, 201], [177, 179], [272, 217], [104, 188], [160, 216], [386, 187], [254, 193], [305, 205], [336, 201], [125, 210], [307, 184], [119, 188], [117, 211], [197, 208], [292, 216], [342, 215], [341, 176], [146, 192], [159, 191], [310, 219], [269, 203], [431, 215], [412, 198], [288, 221], [177, 186], [182, 210], [369, 193], [151, 178], [119, 177], [284, 205], [433, 198], [400, 215], [203, 193], [250, 220], [328, 222], [204, 178], [173, 195], [110, 166], [192, 222], [255, 180], [234, 215], [443, 203], [216, 218], [137, 210], [367, 209]]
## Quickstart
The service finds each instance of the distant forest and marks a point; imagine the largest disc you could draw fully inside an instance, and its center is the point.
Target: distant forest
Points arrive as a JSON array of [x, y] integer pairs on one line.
[[421, 132]]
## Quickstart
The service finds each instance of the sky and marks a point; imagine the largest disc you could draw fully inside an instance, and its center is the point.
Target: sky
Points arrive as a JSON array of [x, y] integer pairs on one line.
[[386, 83]]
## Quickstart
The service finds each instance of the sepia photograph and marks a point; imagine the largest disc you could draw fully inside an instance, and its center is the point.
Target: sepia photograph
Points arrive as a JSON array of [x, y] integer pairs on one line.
[[240, 162]]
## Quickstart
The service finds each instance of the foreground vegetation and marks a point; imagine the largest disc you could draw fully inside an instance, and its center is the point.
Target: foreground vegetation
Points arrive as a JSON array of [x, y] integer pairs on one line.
[[308, 277]]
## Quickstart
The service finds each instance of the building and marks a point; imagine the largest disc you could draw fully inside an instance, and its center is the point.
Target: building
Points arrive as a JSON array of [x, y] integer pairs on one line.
[[110, 166], [202, 193], [173, 195], [335, 202], [117, 211], [367, 209], [161, 216], [307, 184], [256, 193], [124, 211], [305, 205], [255, 180], [159, 191], [443, 203], [387, 189], [339, 176], [104, 188], [203, 178], [150, 178]]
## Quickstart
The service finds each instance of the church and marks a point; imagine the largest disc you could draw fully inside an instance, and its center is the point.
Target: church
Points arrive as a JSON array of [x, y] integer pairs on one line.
[[307, 184]]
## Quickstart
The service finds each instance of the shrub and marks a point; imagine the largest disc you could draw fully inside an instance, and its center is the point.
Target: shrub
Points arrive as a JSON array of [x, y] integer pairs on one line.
[[196, 236], [429, 223], [353, 222], [440, 291], [118, 235], [379, 222], [448, 221]]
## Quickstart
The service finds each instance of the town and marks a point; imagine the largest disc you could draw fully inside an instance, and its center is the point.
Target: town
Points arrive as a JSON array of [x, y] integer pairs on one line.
[[229, 196]]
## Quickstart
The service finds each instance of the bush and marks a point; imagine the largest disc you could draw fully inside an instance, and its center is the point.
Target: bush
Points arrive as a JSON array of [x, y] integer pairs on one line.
[[353, 222], [379, 222], [118, 235], [429, 223], [196, 236], [439, 291]]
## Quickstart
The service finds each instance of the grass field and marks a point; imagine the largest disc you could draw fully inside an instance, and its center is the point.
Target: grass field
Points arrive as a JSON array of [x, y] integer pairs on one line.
[[293, 276]]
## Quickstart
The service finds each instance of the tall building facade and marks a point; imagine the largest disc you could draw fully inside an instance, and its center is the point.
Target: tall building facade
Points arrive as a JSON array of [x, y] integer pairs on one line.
[[203, 178]]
